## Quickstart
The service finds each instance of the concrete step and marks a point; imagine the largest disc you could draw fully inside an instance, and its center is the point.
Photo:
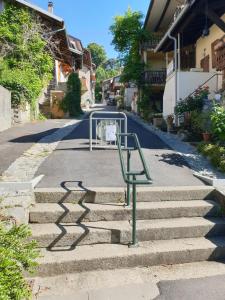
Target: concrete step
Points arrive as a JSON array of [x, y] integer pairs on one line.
[[101, 280], [72, 235], [88, 212], [117, 195], [117, 256]]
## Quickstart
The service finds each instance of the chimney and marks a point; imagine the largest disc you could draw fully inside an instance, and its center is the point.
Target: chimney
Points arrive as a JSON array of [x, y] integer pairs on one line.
[[50, 7]]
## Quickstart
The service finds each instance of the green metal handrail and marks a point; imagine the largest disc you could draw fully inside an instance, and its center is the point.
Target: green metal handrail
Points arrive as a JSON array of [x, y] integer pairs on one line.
[[130, 177]]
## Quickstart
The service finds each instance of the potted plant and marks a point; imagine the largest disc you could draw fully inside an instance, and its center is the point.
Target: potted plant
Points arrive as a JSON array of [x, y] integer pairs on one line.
[[205, 122], [169, 122], [157, 119]]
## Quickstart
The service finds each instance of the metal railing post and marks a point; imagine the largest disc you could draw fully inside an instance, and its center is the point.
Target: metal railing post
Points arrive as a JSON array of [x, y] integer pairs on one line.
[[125, 131], [128, 176], [134, 217], [119, 117], [90, 132]]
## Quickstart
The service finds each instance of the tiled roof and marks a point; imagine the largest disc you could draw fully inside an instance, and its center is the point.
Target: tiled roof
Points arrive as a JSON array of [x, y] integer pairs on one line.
[[40, 10]]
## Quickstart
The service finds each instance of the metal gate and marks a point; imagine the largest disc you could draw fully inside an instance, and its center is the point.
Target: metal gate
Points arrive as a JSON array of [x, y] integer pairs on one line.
[[103, 127]]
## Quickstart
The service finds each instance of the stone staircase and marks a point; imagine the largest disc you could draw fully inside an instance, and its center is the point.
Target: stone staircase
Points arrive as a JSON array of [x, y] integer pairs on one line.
[[90, 230]]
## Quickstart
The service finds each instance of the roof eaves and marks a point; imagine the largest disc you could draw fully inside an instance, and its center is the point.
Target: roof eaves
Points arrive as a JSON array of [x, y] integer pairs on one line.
[[44, 12], [173, 26], [75, 51], [148, 13]]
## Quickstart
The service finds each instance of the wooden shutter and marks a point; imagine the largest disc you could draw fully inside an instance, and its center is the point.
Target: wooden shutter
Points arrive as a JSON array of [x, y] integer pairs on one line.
[[205, 64]]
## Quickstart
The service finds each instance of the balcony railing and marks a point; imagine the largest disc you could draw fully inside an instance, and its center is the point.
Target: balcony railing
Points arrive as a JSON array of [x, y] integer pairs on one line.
[[152, 43], [154, 77]]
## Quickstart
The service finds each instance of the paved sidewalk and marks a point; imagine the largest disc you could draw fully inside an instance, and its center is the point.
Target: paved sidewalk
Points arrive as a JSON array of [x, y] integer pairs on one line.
[[72, 163], [167, 282], [16, 140]]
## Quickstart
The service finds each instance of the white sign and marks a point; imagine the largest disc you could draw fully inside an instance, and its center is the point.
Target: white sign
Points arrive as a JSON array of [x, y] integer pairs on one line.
[[110, 133]]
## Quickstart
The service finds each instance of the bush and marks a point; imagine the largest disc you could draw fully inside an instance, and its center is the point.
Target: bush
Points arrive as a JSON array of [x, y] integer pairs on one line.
[[16, 256], [218, 123], [192, 103], [72, 101], [144, 104], [215, 153]]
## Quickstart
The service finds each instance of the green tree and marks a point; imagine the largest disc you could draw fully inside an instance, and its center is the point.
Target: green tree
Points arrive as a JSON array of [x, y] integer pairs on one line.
[[98, 53], [128, 33], [72, 101], [103, 73]]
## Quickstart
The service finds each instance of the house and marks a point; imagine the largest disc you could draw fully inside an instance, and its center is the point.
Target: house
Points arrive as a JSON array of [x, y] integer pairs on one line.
[[69, 56], [159, 16], [197, 38], [107, 88], [111, 88], [87, 77]]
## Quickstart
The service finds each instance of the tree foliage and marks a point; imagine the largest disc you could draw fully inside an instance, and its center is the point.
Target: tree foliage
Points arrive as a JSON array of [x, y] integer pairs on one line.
[[25, 61], [128, 33], [72, 101], [103, 72], [98, 53]]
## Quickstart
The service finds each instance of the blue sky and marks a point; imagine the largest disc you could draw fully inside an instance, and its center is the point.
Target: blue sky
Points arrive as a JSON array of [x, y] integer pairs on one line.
[[89, 20]]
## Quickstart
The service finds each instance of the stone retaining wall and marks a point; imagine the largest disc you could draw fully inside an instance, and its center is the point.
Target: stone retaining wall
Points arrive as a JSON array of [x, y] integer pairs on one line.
[[5, 109]]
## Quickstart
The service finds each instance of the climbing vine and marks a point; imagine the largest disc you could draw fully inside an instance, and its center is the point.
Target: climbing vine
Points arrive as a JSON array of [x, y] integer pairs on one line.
[[26, 64]]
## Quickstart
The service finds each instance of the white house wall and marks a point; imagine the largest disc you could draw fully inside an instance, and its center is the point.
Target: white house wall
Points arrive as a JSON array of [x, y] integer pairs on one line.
[[188, 82], [88, 95], [1, 5], [5, 109], [169, 96], [129, 96]]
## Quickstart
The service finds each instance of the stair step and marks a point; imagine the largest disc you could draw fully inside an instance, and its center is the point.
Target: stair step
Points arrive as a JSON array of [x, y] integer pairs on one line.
[[60, 235], [88, 212], [117, 195], [117, 256]]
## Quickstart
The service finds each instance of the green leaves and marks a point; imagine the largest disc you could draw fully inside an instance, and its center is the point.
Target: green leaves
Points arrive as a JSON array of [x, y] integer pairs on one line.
[[25, 64], [128, 33], [218, 122], [215, 153], [16, 256], [126, 30], [72, 101], [98, 53], [192, 103]]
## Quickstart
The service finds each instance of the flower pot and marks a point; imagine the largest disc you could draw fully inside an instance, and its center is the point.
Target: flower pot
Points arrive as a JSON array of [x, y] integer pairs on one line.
[[157, 122], [206, 136]]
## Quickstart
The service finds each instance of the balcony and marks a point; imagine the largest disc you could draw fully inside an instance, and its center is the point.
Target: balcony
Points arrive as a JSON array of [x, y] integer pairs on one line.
[[152, 43], [154, 77]]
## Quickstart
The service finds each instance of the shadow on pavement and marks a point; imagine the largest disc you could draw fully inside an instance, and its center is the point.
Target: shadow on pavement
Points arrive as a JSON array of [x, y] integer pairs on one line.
[[33, 138], [175, 159]]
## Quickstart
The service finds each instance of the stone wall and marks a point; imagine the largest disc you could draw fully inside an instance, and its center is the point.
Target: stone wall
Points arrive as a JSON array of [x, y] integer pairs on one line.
[[5, 109]]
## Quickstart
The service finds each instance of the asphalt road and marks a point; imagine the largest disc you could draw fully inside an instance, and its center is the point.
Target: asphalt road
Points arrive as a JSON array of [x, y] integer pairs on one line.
[[16, 140], [72, 162], [210, 288]]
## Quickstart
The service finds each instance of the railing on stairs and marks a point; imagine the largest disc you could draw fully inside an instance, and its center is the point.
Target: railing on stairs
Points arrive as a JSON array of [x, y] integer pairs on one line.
[[204, 83], [130, 176]]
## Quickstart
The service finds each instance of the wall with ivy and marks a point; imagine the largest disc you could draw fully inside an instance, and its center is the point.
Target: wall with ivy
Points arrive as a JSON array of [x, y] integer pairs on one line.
[[26, 66]]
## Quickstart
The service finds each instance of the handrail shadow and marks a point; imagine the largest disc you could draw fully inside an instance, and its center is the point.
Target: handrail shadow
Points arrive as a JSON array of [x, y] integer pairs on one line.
[[115, 234]]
